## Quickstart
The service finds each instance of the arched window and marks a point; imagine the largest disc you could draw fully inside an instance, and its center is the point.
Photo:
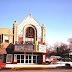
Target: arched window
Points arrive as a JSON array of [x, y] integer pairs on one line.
[[30, 32]]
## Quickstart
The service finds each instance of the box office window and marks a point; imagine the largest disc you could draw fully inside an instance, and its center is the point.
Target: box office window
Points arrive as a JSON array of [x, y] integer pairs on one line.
[[9, 58], [6, 39]]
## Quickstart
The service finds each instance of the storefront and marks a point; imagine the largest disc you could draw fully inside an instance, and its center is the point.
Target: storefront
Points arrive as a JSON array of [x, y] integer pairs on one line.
[[26, 58], [3, 55]]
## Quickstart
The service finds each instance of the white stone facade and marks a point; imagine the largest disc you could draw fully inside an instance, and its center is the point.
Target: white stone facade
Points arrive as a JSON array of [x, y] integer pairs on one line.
[[29, 22]]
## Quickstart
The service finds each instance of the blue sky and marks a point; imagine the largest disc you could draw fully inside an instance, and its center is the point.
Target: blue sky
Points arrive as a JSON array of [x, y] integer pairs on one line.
[[55, 14]]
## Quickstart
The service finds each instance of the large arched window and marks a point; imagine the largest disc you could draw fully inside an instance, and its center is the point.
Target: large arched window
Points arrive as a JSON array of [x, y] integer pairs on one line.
[[29, 32]]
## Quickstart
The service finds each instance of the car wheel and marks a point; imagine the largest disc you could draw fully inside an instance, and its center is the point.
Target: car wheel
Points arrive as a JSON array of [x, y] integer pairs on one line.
[[67, 66]]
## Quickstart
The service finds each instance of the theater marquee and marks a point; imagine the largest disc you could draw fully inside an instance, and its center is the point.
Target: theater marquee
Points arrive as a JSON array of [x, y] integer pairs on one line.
[[24, 47]]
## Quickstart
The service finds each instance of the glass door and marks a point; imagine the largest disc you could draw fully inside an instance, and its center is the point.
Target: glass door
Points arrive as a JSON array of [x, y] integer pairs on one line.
[[22, 58], [34, 59], [18, 58], [28, 59], [25, 58]]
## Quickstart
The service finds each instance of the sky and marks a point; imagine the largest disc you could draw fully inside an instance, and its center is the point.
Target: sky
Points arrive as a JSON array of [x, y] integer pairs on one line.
[[55, 14]]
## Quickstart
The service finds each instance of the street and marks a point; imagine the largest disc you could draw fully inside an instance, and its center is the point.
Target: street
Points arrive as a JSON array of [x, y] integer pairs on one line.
[[37, 70]]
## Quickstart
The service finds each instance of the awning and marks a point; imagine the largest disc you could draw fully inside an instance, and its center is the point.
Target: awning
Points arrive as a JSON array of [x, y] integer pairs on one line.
[[3, 51]]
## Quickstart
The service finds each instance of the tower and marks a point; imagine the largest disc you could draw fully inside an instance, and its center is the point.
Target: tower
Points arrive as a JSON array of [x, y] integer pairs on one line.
[[15, 25], [43, 33]]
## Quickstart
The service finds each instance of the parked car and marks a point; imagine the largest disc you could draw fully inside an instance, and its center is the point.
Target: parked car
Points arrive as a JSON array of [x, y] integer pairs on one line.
[[54, 60], [2, 65], [67, 59], [51, 61]]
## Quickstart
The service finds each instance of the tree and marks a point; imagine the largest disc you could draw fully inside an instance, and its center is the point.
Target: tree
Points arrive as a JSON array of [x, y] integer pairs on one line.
[[70, 44], [59, 49], [50, 50], [63, 49], [70, 40]]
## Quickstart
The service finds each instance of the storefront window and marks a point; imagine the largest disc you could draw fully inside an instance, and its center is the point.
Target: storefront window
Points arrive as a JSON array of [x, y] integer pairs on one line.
[[9, 58], [6, 39]]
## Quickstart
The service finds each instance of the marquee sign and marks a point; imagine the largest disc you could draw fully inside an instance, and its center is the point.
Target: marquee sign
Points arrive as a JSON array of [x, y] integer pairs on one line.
[[24, 47], [42, 48]]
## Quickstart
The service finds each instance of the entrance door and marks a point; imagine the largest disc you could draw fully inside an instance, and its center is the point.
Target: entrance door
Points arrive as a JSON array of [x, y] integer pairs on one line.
[[20, 58], [28, 59], [25, 58], [35, 59]]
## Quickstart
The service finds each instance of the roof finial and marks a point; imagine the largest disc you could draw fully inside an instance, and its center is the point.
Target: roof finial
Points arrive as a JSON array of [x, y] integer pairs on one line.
[[30, 14]]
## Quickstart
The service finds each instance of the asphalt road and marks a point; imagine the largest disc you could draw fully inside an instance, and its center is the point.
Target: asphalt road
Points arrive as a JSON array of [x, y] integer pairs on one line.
[[37, 70]]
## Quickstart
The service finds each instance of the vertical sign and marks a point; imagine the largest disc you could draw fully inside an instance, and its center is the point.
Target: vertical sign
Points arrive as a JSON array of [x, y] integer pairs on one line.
[[43, 58], [15, 58]]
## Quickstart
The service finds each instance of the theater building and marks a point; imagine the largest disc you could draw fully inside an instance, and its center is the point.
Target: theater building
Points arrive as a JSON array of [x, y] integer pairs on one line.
[[24, 43]]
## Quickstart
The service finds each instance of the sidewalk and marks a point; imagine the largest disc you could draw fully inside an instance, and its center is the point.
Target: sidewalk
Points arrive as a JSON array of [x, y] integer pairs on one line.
[[33, 65]]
